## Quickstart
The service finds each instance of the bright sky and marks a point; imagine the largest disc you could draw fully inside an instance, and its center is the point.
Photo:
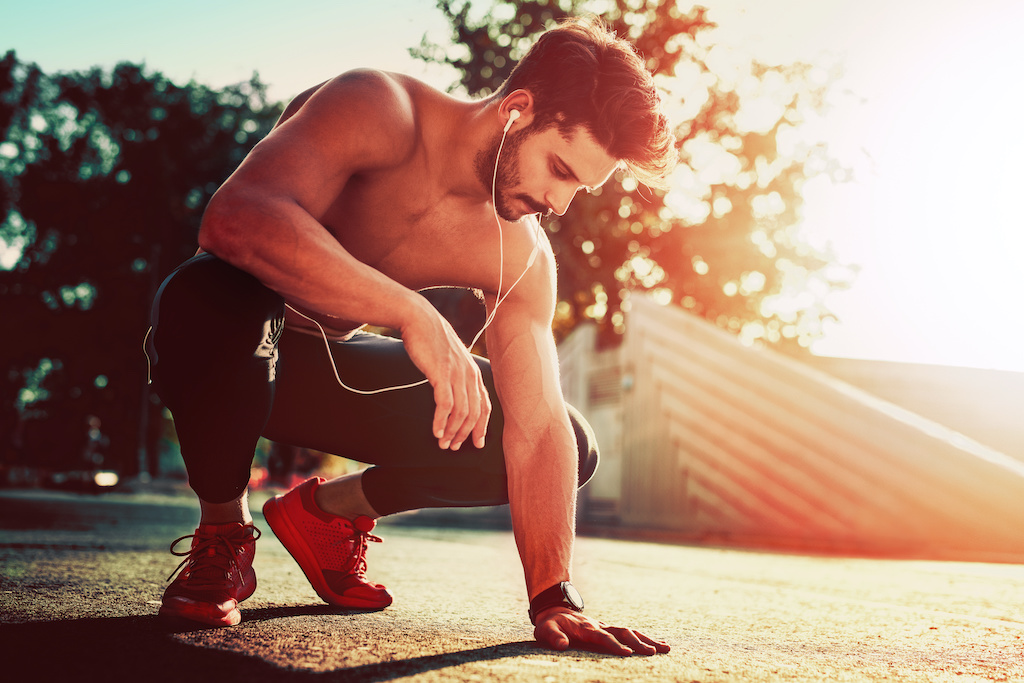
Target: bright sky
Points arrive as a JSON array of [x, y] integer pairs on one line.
[[931, 125]]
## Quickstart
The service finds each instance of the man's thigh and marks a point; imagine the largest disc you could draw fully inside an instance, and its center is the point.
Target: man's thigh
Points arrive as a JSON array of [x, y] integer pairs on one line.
[[311, 409]]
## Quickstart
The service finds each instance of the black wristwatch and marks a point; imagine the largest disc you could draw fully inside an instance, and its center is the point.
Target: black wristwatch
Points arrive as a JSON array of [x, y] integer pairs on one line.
[[561, 594]]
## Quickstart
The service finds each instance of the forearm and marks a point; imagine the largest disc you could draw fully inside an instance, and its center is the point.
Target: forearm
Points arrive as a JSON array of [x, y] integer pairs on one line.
[[541, 455], [541, 458], [284, 247], [542, 496]]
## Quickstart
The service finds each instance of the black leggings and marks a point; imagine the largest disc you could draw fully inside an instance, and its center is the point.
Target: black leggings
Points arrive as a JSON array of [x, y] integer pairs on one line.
[[229, 371]]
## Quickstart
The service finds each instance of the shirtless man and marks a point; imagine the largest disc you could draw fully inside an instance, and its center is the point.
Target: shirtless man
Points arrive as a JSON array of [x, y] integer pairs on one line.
[[373, 186]]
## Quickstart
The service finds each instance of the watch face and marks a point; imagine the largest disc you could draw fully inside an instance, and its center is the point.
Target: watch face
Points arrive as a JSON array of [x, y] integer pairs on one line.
[[572, 595]]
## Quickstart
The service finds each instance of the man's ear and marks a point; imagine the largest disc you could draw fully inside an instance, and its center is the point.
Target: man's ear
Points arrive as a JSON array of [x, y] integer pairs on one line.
[[520, 101]]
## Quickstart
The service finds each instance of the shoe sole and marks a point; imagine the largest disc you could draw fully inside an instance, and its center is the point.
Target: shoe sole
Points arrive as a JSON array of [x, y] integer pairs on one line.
[[300, 551], [200, 612]]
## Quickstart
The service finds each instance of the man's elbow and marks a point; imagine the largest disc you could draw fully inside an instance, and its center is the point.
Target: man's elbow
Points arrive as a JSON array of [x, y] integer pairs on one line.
[[545, 447], [221, 231]]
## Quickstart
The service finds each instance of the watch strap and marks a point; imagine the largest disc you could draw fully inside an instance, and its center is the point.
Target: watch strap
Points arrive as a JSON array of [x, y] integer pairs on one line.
[[561, 594]]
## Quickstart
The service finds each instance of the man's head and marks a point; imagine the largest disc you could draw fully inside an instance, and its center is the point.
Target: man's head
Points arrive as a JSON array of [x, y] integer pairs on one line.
[[540, 171], [581, 74], [588, 105]]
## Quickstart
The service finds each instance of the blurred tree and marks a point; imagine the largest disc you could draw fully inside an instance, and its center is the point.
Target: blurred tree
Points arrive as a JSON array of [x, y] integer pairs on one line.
[[103, 179], [724, 241]]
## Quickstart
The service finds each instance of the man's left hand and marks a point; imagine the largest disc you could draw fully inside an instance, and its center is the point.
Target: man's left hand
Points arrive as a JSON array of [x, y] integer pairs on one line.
[[559, 629]]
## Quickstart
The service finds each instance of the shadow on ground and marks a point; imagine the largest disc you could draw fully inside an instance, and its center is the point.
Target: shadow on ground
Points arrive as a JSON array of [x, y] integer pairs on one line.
[[145, 648]]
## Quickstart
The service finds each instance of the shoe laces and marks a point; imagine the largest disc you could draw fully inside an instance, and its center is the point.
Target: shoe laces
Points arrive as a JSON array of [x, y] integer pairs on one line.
[[211, 559], [359, 540]]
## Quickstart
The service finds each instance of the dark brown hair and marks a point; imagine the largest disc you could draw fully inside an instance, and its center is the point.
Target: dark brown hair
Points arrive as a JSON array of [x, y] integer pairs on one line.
[[582, 74]]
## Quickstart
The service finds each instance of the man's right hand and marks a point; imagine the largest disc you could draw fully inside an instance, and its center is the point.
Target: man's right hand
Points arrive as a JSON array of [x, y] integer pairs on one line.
[[463, 405], [560, 629]]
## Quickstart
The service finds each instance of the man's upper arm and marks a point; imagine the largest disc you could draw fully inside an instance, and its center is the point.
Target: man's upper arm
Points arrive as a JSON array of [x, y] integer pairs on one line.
[[522, 350], [356, 122]]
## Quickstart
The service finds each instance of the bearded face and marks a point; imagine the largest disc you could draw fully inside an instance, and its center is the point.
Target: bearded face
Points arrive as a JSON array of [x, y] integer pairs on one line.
[[509, 202]]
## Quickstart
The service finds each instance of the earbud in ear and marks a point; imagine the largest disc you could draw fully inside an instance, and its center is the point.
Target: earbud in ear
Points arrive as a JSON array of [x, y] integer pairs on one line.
[[512, 116]]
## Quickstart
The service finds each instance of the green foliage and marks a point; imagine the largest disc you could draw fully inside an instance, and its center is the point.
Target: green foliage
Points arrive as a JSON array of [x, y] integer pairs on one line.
[[105, 175], [724, 241]]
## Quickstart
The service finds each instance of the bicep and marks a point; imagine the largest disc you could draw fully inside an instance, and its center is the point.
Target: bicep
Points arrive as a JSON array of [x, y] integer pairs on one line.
[[522, 348]]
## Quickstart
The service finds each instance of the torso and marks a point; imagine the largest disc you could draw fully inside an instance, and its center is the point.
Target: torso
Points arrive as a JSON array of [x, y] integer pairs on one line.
[[403, 222]]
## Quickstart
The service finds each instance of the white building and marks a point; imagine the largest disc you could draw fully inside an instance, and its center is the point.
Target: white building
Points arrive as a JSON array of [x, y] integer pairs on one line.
[[705, 439]]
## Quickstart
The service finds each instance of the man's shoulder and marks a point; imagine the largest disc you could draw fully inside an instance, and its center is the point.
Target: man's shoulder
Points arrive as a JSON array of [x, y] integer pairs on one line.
[[377, 95], [373, 83], [392, 94], [377, 109]]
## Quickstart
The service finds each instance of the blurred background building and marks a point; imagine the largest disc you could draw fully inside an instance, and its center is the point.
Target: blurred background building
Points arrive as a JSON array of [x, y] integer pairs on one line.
[[707, 439]]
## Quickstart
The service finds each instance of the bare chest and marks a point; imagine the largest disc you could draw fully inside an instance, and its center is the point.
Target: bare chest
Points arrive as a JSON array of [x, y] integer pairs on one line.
[[415, 233]]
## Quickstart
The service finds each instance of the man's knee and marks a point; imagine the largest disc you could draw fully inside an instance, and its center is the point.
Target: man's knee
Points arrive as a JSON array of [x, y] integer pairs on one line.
[[586, 441], [209, 304]]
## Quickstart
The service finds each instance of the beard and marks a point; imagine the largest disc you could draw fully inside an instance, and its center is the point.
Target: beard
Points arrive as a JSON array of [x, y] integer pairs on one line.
[[507, 177]]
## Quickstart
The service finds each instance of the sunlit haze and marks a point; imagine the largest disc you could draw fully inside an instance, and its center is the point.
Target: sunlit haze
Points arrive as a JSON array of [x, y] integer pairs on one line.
[[927, 115], [930, 123]]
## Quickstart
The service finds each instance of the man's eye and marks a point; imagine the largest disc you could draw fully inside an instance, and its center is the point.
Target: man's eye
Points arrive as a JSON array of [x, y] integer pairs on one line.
[[560, 174]]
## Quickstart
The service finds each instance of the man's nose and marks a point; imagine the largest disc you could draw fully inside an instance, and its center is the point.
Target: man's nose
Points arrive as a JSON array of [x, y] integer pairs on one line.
[[561, 197]]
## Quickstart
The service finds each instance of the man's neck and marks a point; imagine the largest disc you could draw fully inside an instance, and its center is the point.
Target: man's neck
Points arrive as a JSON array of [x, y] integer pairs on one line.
[[463, 129]]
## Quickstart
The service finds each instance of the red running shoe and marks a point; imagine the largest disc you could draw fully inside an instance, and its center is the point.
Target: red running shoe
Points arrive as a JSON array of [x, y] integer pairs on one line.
[[216, 574], [331, 550]]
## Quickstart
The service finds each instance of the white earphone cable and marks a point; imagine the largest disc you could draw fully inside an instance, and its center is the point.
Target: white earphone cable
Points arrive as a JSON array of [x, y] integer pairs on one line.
[[334, 366], [498, 297]]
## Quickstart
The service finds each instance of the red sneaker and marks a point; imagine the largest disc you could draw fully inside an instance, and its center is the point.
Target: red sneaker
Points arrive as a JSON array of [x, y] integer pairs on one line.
[[216, 574], [331, 550]]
